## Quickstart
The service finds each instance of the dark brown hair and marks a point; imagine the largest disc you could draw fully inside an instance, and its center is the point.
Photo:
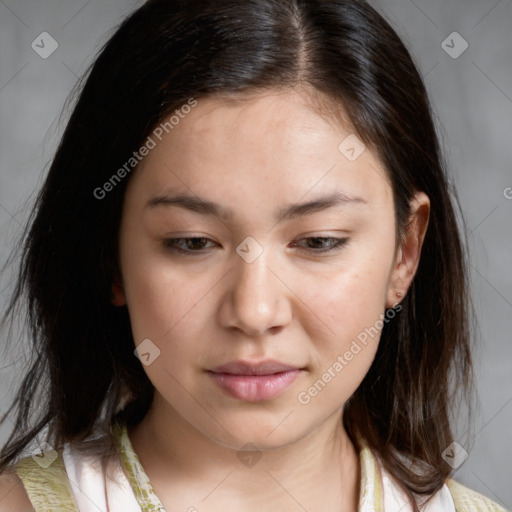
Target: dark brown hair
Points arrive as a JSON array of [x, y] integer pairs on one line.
[[83, 370]]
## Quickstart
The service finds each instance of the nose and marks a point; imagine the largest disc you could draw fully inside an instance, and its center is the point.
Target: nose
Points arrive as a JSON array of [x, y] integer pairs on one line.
[[258, 298]]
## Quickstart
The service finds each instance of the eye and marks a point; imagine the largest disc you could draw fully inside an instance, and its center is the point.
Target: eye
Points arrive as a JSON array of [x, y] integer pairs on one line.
[[196, 245], [320, 247], [189, 245]]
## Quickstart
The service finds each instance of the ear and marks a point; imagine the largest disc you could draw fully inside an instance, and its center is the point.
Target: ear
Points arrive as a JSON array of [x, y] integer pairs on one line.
[[409, 251], [118, 298]]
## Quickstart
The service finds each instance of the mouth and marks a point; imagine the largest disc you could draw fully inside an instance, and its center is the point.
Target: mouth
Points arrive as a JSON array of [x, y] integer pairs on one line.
[[254, 382], [267, 367]]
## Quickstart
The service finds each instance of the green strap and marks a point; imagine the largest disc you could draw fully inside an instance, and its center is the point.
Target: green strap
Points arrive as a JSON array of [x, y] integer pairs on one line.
[[139, 481], [371, 492], [48, 488]]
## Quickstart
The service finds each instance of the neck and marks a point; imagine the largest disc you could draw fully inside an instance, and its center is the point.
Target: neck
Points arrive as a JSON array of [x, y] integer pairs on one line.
[[319, 471]]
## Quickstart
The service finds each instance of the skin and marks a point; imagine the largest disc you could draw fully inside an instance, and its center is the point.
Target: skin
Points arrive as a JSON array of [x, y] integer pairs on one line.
[[291, 303]]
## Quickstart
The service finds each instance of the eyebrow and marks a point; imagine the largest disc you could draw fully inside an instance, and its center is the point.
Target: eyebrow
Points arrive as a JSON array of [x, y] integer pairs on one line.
[[205, 207]]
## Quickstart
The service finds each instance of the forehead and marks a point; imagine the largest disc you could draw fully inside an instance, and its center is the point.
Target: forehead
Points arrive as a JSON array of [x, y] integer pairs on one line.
[[274, 147]]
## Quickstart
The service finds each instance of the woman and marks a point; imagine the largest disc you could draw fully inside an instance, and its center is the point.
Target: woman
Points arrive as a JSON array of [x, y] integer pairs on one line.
[[245, 282]]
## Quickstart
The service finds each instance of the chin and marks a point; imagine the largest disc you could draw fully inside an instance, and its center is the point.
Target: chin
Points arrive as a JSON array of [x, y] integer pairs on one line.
[[263, 435]]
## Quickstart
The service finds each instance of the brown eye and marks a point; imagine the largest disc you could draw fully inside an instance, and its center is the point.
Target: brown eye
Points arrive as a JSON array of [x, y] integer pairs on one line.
[[189, 245], [317, 244]]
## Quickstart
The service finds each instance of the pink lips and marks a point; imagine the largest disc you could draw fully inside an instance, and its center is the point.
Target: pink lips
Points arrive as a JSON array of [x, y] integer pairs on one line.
[[254, 382]]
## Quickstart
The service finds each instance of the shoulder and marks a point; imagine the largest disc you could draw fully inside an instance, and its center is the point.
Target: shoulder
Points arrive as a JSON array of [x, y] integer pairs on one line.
[[43, 480], [468, 500], [13, 495]]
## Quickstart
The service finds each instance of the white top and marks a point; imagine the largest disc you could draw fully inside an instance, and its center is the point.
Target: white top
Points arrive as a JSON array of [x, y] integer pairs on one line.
[[92, 490]]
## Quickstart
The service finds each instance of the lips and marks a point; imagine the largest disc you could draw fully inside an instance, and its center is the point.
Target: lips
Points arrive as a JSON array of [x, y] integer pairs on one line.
[[268, 367], [254, 382]]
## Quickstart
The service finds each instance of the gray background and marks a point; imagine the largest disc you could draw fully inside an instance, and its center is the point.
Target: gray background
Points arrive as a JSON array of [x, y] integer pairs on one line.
[[472, 98]]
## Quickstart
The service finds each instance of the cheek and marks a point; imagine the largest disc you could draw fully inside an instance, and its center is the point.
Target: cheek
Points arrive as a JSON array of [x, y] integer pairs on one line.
[[352, 299], [351, 305], [163, 306], [161, 297], [343, 355]]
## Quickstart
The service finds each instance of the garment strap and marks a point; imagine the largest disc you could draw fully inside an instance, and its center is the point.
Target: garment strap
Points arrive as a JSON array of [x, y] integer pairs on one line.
[[139, 481], [371, 493], [48, 488]]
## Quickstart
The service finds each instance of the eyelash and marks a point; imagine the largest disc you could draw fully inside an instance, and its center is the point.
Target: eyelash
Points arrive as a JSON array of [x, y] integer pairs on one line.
[[338, 244]]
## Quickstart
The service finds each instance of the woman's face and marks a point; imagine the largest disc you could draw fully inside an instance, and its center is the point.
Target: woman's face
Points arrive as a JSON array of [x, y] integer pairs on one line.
[[271, 187]]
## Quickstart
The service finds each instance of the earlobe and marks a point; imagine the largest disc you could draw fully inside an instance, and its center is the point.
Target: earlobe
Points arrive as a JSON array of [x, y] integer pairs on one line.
[[118, 298], [399, 255], [409, 252]]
